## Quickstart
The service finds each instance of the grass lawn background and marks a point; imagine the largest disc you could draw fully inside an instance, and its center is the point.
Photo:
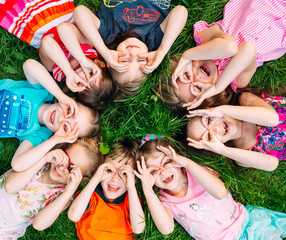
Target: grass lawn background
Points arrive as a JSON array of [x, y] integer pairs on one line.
[[144, 113]]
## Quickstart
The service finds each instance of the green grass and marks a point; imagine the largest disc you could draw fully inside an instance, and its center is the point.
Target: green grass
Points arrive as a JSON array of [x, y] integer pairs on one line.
[[144, 113]]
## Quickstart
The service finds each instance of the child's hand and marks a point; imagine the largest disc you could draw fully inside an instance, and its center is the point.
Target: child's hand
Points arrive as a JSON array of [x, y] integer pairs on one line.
[[126, 171], [172, 158], [68, 105], [112, 60], [91, 70], [184, 72], [154, 59], [65, 133], [211, 91], [209, 142], [75, 83], [58, 157], [215, 112], [74, 179], [148, 176], [104, 171]]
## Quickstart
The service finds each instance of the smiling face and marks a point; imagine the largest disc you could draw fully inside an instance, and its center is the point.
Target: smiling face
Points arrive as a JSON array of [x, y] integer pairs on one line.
[[224, 128], [204, 72], [53, 115], [79, 71], [115, 186], [170, 178], [133, 47], [78, 156]]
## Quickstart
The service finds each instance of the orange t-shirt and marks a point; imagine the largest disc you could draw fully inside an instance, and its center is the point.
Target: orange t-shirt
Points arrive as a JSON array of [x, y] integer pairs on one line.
[[105, 220]]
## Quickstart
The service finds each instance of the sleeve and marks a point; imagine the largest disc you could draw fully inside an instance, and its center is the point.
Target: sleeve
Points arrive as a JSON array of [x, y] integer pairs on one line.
[[36, 138]]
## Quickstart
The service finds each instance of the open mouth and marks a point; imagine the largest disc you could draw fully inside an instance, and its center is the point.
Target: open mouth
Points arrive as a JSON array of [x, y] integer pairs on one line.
[[225, 127], [132, 46], [112, 188], [56, 172], [168, 179], [205, 70], [52, 117]]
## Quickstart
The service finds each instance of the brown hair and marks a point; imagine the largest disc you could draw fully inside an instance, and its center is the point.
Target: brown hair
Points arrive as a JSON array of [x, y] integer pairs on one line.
[[151, 146], [167, 92], [98, 97], [124, 148]]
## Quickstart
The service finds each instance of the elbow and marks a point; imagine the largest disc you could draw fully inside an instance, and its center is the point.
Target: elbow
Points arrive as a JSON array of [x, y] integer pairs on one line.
[[29, 65], [275, 118], [79, 10], [9, 188], [139, 229], [167, 229], [16, 166], [272, 165], [182, 12], [73, 216], [38, 226], [221, 194], [249, 48], [231, 47]]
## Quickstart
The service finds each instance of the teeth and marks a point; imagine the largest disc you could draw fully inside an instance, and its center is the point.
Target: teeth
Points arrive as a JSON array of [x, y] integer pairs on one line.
[[114, 187]]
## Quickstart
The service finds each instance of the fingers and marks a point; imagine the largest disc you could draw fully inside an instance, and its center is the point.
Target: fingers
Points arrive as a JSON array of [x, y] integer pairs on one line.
[[147, 69], [165, 150], [195, 144]]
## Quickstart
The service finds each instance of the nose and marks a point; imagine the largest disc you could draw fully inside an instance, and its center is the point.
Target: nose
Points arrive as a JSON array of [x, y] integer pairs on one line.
[[116, 177]]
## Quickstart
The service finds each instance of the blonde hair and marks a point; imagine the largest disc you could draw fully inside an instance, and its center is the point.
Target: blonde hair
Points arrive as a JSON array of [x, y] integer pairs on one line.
[[94, 117], [126, 89], [91, 146]]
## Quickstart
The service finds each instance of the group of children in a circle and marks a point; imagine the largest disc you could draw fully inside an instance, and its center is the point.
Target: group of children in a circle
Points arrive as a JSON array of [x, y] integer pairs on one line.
[[108, 56]]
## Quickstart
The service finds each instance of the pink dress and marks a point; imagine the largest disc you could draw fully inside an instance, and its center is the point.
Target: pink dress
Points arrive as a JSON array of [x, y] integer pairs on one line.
[[203, 216], [31, 20], [22, 207], [272, 140], [262, 22]]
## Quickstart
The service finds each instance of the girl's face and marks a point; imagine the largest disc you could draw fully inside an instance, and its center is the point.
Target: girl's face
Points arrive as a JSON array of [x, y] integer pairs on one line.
[[224, 128], [78, 156], [204, 74], [170, 178], [133, 47], [115, 186], [79, 71], [53, 115]]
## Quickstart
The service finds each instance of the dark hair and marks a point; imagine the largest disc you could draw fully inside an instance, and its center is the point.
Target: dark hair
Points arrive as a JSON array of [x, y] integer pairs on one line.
[[95, 97], [124, 148]]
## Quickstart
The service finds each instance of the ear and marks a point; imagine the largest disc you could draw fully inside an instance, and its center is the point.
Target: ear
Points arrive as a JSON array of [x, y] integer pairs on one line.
[[100, 63]]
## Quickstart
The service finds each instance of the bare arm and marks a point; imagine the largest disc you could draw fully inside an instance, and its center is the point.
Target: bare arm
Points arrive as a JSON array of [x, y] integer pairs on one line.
[[16, 181], [244, 158], [79, 205], [50, 54], [135, 209], [161, 216], [210, 182], [47, 216], [26, 155]]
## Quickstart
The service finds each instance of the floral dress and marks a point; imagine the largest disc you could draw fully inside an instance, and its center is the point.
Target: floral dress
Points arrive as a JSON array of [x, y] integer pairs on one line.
[[22, 207], [272, 140]]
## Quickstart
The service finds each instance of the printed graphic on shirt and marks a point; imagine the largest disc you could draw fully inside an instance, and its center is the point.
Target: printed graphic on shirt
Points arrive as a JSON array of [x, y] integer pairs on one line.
[[140, 15], [15, 113], [163, 4], [114, 3]]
